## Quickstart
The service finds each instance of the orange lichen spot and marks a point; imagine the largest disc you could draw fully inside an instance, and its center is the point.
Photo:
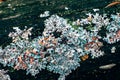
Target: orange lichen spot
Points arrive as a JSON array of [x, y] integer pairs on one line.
[[89, 18], [27, 52], [46, 38], [17, 66], [20, 59], [113, 4], [34, 51], [117, 36], [118, 33], [46, 41], [24, 66], [21, 65], [55, 41], [86, 47], [2, 1], [94, 38], [83, 58], [31, 60], [99, 44], [91, 43], [41, 42], [111, 40]]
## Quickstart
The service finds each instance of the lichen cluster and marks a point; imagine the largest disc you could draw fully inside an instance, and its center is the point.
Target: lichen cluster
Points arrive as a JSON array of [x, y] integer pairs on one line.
[[61, 47]]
